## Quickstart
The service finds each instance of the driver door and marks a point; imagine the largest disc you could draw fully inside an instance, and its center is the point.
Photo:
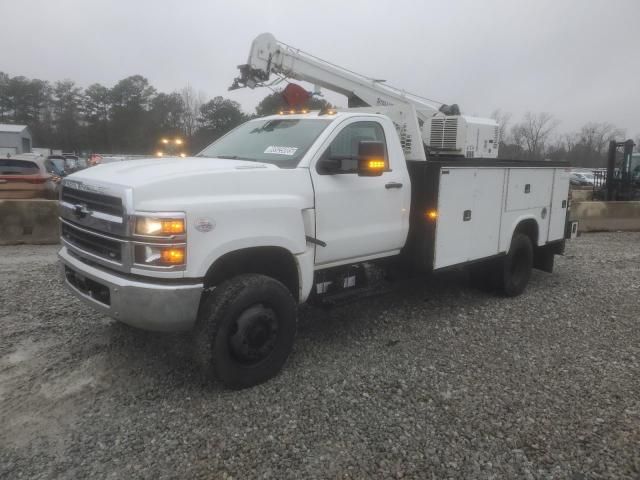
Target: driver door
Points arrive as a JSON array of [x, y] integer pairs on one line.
[[359, 217]]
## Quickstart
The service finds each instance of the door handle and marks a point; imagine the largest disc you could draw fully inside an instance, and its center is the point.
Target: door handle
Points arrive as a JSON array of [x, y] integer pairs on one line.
[[393, 185]]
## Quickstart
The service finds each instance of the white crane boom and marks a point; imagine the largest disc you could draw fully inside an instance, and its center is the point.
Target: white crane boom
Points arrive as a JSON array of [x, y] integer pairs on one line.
[[442, 128]]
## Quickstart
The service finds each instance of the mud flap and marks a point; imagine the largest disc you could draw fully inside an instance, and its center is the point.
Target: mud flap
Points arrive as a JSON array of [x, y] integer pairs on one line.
[[543, 256]]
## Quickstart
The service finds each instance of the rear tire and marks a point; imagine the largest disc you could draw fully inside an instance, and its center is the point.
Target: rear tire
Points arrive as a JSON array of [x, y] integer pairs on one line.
[[515, 271], [245, 330]]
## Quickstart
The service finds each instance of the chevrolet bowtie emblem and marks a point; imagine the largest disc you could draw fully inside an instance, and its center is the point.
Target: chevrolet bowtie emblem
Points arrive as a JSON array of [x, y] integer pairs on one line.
[[81, 211]]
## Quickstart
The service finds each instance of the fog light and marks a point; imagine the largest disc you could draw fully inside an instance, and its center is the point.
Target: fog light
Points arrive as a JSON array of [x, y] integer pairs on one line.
[[159, 256], [172, 256]]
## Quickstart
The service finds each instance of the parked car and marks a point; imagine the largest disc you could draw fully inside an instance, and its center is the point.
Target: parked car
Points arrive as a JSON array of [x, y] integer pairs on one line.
[[70, 163], [55, 165], [582, 178], [26, 176]]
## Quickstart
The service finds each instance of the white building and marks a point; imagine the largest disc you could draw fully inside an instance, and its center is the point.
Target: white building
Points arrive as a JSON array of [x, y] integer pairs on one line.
[[14, 139]]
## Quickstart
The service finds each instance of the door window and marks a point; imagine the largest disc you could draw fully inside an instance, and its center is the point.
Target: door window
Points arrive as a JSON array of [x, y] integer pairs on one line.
[[345, 146]]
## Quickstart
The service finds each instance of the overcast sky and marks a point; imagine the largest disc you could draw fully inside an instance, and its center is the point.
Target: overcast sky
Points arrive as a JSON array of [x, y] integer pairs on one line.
[[577, 59]]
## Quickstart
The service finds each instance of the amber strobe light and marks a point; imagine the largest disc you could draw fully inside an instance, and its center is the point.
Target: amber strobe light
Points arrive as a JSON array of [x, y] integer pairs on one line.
[[172, 256], [432, 214]]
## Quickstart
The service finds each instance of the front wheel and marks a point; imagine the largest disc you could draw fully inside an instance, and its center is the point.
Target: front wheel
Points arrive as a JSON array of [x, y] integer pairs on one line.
[[245, 330]]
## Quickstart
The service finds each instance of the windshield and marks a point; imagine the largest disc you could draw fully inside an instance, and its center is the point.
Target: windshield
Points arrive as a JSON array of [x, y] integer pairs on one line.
[[282, 142]]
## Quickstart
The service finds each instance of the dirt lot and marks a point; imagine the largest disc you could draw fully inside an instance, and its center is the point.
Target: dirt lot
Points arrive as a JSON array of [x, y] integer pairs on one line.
[[432, 380]]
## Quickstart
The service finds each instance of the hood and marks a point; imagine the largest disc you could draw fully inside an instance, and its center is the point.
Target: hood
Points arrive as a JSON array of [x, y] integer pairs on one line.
[[139, 173], [175, 184]]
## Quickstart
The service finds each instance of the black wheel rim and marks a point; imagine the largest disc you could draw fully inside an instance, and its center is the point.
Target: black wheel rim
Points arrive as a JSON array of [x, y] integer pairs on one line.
[[253, 334]]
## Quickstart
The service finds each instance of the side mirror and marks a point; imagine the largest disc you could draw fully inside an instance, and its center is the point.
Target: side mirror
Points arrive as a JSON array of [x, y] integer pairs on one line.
[[371, 159], [328, 165]]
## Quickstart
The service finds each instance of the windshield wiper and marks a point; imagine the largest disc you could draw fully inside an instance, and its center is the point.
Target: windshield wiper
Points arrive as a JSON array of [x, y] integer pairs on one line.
[[230, 157]]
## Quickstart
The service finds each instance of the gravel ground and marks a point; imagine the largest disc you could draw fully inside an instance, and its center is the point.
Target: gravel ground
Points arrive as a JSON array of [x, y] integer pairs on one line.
[[431, 380]]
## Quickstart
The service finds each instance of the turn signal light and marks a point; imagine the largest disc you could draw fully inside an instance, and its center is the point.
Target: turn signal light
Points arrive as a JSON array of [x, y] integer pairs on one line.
[[172, 256], [173, 226], [376, 164]]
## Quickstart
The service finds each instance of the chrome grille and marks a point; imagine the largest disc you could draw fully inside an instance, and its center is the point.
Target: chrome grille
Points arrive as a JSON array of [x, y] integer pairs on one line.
[[94, 201], [101, 248], [97, 226]]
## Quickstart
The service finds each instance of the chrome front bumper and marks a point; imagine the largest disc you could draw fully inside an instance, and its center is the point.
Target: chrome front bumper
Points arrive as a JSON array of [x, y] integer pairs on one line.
[[145, 305]]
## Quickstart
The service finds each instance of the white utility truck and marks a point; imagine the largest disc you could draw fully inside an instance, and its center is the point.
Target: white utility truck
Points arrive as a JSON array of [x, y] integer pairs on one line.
[[288, 208]]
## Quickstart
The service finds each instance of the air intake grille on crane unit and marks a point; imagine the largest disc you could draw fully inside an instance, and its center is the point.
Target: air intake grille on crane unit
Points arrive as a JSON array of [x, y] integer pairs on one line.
[[444, 133]]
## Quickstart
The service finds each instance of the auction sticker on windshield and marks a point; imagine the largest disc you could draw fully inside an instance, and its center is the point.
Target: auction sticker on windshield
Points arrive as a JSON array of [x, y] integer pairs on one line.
[[281, 150]]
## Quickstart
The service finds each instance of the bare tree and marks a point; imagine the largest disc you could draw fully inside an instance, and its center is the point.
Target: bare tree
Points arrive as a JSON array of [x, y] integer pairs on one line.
[[571, 140], [502, 118], [595, 137], [192, 103], [559, 146], [533, 132]]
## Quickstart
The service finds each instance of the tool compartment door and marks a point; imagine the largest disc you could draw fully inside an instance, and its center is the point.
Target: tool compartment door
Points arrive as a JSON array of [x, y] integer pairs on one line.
[[529, 188], [469, 209], [559, 200]]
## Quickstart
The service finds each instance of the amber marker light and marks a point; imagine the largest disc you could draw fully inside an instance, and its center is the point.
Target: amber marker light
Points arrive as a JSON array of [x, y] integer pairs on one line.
[[173, 226], [432, 214], [375, 165]]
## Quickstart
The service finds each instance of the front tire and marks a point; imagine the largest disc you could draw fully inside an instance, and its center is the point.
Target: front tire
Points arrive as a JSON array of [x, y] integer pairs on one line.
[[245, 330]]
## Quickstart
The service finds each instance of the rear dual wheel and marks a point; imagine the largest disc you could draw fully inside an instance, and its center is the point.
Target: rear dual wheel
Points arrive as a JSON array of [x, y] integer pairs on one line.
[[509, 274], [516, 269]]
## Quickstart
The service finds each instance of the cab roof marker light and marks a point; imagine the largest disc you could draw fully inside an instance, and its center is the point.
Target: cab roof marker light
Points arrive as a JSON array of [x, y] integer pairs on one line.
[[327, 111]]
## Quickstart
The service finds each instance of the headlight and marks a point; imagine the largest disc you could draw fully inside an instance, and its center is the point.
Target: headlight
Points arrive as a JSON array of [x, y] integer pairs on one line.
[[160, 256], [159, 227]]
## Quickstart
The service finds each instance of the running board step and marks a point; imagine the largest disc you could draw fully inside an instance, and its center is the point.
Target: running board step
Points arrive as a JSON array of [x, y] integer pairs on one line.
[[350, 295]]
